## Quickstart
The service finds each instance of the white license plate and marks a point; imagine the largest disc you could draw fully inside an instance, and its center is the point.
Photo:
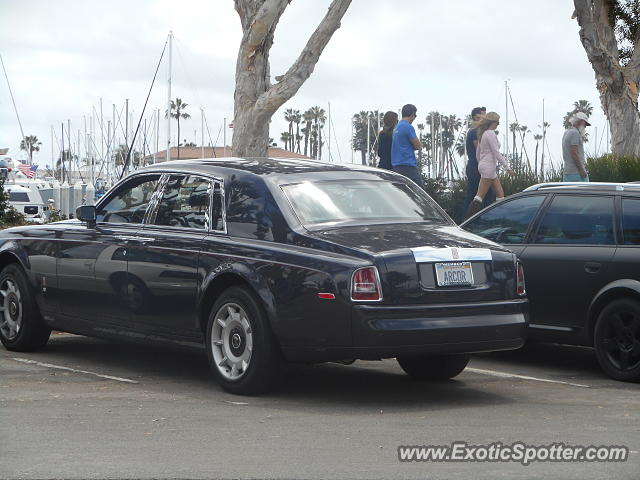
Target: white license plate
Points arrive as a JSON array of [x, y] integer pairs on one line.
[[450, 274]]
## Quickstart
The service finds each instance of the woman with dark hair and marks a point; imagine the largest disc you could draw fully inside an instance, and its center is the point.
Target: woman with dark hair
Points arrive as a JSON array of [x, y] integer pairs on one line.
[[389, 121]]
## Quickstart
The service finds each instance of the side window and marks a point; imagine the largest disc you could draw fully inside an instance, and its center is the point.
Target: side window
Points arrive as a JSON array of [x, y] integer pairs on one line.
[[507, 222], [581, 220], [631, 221], [217, 214], [185, 202], [129, 203]]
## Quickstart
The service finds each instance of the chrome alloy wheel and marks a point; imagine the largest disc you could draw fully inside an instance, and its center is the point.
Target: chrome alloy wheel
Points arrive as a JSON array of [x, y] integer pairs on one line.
[[231, 341], [10, 309]]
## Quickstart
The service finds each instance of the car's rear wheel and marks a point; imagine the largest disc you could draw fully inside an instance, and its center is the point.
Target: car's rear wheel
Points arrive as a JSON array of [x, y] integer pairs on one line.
[[433, 367], [617, 340], [242, 350], [21, 326]]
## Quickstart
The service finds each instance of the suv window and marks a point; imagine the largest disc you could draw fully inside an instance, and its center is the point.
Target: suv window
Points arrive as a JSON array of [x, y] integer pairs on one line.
[[631, 221], [577, 219], [185, 202], [129, 203], [507, 222]]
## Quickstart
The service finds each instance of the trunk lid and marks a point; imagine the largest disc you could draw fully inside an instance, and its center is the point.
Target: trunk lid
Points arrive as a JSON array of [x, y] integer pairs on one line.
[[407, 256]]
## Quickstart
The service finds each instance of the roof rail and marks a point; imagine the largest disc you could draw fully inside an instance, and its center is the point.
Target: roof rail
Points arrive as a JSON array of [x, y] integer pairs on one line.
[[618, 186]]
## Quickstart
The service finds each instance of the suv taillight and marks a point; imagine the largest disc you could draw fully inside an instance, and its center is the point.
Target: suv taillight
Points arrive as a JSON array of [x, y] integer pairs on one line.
[[365, 285], [521, 290]]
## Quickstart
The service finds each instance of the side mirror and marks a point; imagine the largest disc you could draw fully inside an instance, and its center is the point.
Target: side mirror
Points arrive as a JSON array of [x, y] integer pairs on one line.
[[87, 213]]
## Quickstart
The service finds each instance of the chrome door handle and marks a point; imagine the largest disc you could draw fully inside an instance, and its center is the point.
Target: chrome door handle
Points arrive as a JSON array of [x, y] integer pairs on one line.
[[134, 239]]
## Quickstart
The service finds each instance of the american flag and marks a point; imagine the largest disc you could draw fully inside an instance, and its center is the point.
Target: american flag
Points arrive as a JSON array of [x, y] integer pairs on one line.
[[28, 170]]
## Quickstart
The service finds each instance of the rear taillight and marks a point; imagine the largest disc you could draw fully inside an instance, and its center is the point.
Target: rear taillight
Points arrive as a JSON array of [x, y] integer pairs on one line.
[[521, 290], [365, 285]]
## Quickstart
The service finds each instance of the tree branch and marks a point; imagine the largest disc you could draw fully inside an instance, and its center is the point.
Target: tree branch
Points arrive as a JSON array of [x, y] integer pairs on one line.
[[633, 67], [304, 65], [600, 52], [263, 21]]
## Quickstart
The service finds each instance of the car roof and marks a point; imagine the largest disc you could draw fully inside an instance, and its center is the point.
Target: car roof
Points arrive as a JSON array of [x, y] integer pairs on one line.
[[256, 166], [585, 187]]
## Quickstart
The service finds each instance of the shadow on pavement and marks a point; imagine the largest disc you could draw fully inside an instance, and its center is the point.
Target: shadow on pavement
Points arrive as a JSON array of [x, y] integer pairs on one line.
[[556, 358], [363, 385]]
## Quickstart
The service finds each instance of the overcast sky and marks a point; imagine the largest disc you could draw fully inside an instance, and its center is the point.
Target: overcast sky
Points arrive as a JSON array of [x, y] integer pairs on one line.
[[62, 56]]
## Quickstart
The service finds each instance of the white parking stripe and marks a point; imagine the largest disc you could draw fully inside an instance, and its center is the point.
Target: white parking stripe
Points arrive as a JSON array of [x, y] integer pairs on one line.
[[68, 369], [494, 373]]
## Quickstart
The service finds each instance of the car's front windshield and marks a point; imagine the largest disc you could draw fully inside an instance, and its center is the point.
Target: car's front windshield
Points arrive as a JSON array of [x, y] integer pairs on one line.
[[360, 201]]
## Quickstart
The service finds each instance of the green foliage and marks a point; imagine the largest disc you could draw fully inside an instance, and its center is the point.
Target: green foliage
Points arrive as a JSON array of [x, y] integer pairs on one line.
[[448, 194], [624, 15], [55, 216], [9, 216], [614, 168]]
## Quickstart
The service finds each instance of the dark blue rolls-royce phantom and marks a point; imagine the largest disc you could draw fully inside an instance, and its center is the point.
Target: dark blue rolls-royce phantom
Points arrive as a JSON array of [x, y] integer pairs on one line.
[[266, 262]]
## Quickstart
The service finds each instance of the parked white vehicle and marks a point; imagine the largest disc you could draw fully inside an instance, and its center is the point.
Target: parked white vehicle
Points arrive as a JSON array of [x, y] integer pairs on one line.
[[27, 201]]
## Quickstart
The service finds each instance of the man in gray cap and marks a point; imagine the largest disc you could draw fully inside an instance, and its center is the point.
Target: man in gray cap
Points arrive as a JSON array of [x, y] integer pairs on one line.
[[575, 165]]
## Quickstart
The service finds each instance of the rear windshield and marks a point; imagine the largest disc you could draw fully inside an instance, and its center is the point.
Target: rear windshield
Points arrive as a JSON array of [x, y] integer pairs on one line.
[[361, 201]]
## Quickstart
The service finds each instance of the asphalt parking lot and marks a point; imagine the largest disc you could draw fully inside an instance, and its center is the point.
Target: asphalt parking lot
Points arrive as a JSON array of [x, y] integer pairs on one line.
[[86, 408]]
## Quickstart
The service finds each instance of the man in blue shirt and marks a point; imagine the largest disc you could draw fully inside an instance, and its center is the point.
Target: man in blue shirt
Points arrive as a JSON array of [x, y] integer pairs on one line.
[[404, 144]]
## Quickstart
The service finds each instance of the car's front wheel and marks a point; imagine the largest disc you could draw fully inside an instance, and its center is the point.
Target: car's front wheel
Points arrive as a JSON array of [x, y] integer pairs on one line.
[[433, 367], [617, 340], [21, 326], [242, 350]]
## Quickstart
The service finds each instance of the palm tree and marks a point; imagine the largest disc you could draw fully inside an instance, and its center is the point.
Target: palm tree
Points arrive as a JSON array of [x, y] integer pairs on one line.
[[361, 121], [289, 116], [523, 133], [513, 127], [583, 106], [421, 138], [545, 126], [285, 137], [319, 118], [308, 119], [297, 118], [178, 111], [30, 144], [537, 137]]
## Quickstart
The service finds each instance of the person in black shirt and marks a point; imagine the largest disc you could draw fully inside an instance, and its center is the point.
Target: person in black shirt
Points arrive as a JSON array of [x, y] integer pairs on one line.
[[473, 176], [390, 120]]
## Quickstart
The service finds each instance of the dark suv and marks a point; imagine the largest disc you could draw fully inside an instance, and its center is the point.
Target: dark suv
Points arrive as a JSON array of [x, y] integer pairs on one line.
[[580, 247]]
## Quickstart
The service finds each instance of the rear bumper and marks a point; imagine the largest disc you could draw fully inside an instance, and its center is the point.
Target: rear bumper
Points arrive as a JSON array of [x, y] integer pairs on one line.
[[380, 331]]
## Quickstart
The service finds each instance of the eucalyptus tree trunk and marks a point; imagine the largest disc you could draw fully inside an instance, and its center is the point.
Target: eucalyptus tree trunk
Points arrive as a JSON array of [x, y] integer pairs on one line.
[[256, 98], [617, 83]]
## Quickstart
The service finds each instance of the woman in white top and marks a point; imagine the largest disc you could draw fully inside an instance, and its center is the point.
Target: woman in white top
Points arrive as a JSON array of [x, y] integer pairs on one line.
[[488, 154]]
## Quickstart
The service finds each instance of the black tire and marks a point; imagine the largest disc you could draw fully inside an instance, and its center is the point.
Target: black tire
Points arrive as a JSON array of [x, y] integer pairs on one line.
[[256, 344], [22, 328], [434, 367], [616, 339]]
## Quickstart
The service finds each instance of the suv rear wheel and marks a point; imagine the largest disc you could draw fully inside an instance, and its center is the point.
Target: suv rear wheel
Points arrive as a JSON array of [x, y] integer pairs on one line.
[[434, 367], [617, 340]]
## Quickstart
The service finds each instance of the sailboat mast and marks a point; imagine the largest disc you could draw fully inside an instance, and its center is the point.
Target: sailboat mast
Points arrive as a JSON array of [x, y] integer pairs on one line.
[[16, 110], [329, 121], [169, 99], [506, 111], [202, 131], [544, 139]]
